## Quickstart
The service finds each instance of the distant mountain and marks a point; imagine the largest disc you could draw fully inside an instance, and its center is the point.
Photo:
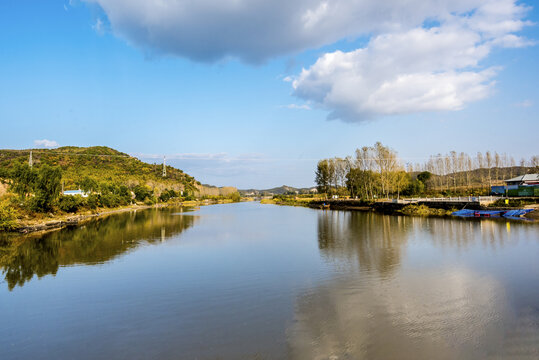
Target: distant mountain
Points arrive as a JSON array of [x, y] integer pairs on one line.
[[102, 163], [281, 190]]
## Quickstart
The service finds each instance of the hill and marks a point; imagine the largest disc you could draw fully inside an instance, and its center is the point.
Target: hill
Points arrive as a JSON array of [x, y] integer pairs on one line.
[[477, 178], [281, 190], [102, 163]]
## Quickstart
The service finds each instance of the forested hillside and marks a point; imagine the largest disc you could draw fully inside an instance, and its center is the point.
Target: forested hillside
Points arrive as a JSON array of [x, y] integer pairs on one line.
[[99, 163], [31, 183]]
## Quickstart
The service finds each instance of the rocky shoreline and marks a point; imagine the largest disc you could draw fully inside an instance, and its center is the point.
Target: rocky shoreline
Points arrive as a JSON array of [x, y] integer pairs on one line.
[[76, 220]]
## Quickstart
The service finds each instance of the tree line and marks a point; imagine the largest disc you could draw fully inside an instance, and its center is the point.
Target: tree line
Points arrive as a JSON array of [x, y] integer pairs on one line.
[[376, 171]]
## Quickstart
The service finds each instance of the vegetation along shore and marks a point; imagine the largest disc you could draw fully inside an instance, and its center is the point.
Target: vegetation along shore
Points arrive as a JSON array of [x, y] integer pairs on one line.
[[47, 189], [375, 179]]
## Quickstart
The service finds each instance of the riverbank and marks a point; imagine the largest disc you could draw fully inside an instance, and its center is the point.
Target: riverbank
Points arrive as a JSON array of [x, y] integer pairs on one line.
[[439, 209], [51, 222]]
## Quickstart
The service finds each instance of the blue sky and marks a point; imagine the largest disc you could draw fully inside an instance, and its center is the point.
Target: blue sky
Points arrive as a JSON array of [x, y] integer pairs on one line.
[[242, 113]]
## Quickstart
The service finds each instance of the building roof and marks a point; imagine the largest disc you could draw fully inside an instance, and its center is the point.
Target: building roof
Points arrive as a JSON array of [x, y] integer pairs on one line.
[[73, 192], [527, 177]]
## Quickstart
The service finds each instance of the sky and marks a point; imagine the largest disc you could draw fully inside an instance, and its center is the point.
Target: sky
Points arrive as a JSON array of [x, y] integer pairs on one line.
[[252, 93]]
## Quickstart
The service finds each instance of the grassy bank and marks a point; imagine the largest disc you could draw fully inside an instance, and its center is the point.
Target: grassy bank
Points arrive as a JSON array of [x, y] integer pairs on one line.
[[423, 210], [287, 201], [49, 221]]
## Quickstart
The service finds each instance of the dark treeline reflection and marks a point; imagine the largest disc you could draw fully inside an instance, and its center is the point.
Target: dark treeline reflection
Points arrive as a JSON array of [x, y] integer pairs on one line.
[[378, 242], [96, 242]]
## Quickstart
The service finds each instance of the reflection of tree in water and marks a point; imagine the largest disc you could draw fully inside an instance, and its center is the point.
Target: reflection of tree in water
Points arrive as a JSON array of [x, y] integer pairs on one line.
[[489, 233], [376, 241], [391, 312], [96, 242]]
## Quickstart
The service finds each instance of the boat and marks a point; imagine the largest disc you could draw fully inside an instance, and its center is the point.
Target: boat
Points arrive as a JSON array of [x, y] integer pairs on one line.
[[492, 213], [324, 206]]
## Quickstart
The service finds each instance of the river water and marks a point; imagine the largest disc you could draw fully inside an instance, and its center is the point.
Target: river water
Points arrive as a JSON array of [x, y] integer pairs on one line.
[[251, 281]]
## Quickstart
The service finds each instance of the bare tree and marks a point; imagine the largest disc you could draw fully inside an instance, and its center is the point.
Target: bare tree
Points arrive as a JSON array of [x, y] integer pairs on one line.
[[469, 168], [386, 160], [488, 158], [534, 163], [454, 168], [440, 168], [497, 164]]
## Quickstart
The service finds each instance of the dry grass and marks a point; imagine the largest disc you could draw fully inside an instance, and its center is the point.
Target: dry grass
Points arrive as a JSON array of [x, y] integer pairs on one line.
[[3, 189]]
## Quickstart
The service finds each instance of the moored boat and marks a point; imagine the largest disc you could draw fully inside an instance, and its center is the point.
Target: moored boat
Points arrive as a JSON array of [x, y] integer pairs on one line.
[[492, 213]]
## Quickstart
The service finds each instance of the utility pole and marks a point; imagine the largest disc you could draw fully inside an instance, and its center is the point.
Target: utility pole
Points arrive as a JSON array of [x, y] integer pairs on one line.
[[164, 167], [30, 161]]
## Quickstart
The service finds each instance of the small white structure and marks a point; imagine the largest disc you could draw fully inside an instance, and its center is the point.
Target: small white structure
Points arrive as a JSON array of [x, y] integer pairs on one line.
[[75, 192]]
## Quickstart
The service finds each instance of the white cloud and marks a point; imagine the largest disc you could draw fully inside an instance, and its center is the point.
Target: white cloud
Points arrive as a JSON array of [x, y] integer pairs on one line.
[[421, 69], [297, 107], [46, 143], [422, 55], [99, 26], [220, 157], [255, 30], [524, 104]]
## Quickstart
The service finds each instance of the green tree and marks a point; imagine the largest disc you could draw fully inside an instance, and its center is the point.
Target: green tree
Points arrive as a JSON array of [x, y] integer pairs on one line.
[[424, 176], [47, 187], [23, 179], [142, 192], [402, 181], [88, 185], [354, 181], [323, 176], [416, 187], [236, 197]]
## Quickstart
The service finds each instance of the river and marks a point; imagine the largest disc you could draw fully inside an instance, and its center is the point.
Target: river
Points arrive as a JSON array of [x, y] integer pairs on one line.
[[252, 281]]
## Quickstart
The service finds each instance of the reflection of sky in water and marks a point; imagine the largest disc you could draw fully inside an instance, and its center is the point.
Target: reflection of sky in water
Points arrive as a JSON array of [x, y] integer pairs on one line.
[[418, 288], [440, 315], [251, 281]]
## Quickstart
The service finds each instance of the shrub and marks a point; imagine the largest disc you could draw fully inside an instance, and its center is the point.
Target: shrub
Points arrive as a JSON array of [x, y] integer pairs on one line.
[[8, 216], [93, 201], [142, 192], [236, 197], [71, 203], [110, 200], [150, 201], [416, 187], [166, 195], [423, 210]]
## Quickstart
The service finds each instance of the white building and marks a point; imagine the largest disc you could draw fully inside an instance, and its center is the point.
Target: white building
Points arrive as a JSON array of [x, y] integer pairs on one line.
[[75, 192]]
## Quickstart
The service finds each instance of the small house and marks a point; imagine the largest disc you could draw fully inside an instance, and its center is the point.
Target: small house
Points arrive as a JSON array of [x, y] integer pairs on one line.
[[523, 185], [75, 192], [528, 179]]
